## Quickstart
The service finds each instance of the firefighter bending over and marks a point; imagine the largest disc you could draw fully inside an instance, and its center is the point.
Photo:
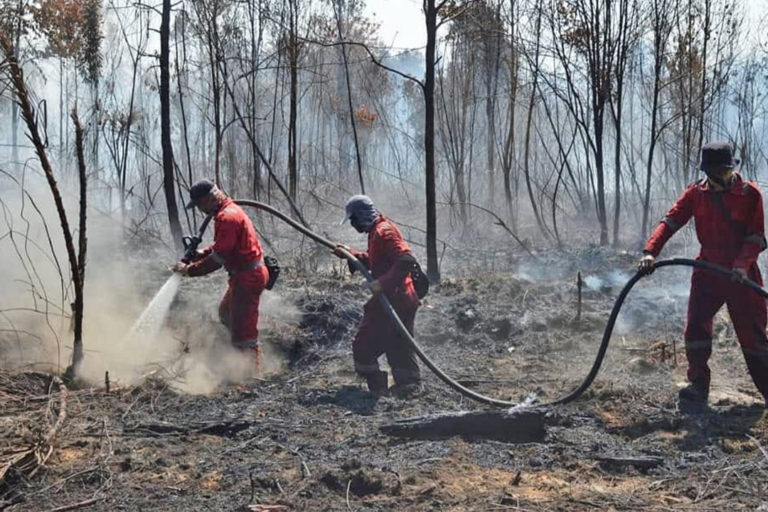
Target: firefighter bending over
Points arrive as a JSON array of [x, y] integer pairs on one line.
[[236, 248]]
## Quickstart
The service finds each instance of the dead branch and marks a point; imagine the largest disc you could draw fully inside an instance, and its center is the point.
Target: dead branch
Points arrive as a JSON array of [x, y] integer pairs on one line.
[[579, 286], [373, 58], [75, 506], [225, 428], [499, 222], [645, 462], [29, 460]]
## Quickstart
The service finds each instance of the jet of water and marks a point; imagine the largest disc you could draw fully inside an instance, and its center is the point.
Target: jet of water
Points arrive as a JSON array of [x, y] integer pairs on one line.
[[146, 328]]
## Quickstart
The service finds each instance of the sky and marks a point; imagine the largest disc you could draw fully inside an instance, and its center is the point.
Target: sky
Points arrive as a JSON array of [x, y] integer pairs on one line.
[[402, 22]]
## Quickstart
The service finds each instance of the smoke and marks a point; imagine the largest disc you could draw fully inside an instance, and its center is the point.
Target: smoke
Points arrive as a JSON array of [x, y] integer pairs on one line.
[[191, 349], [121, 335], [129, 351], [211, 361], [34, 297], [537, 272]]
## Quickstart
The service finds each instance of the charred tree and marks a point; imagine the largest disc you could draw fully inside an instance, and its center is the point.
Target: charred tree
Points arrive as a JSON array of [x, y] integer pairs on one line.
[[165, 124], [76, 261], [430, 15], [82, 242], [626, 37], [337, 10], [293, 65], [661, 29]]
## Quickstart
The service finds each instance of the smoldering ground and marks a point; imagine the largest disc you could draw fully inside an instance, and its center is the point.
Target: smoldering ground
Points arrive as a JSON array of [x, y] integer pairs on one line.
[[308, 438]]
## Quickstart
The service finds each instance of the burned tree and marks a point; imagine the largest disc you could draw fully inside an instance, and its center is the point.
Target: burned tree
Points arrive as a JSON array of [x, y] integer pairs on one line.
[[165, 123], [76, 257]]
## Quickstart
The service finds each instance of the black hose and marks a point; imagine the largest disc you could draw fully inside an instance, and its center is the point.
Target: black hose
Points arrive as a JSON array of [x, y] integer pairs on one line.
[[573, 395]]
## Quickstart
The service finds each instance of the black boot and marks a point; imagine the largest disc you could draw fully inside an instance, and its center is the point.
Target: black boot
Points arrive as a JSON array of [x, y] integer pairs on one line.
[[407, 391], [377, 383], [693, 397]]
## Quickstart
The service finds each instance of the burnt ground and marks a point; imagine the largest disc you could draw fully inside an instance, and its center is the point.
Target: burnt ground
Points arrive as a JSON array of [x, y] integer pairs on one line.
[[308, 438]]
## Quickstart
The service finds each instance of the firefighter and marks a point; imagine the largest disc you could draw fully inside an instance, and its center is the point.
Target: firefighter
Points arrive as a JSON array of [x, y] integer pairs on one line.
[[236, 248], [728, 213], [389, 260]]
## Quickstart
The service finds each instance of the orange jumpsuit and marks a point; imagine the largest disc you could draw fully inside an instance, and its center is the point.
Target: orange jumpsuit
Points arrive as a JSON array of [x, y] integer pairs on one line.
[[377, 334], [731, 232], [237, 248]]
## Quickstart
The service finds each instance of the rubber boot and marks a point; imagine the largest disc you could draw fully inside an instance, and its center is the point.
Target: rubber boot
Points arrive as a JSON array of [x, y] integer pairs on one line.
[[693, 397], [254, 353], [377, 383], [407, 390]]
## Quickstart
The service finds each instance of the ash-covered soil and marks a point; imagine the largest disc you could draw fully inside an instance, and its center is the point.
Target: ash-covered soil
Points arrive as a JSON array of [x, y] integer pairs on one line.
[[306, 436]]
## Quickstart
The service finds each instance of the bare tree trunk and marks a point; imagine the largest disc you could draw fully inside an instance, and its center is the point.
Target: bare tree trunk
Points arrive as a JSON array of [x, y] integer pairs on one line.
[[14, 106], [625, 41], [79, 308], [76, 265], [62, 145], [337, 11], [255, 52], [531, 103], [430, 12], [124, 164], [660, 28], [509, 160], [293, 56], [703, 92], [492, 56], [181, 72], [165, 125]]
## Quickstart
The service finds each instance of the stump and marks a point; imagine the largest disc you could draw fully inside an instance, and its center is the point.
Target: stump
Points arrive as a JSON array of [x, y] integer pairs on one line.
[[516, 426]]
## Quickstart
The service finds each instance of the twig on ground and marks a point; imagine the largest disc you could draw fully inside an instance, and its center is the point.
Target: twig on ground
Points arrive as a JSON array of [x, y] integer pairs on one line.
[[29, 460], [75, 506]]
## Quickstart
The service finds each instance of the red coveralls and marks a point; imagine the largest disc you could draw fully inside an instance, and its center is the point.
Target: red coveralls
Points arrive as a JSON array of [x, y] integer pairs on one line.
[[237, 248], [733, 242], [377, 334]]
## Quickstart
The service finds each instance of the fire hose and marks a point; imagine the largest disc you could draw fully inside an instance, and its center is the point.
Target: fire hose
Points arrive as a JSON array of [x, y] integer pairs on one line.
[[569, 397]]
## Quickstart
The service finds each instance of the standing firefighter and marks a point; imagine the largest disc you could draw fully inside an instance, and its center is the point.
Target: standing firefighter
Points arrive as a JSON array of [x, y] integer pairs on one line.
[[389, 259], [728, 213], [236, 248]]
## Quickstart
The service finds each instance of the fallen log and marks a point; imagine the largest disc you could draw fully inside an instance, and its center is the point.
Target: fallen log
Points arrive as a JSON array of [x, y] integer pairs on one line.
[[514, 426], [641, 462], [226, 428]]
